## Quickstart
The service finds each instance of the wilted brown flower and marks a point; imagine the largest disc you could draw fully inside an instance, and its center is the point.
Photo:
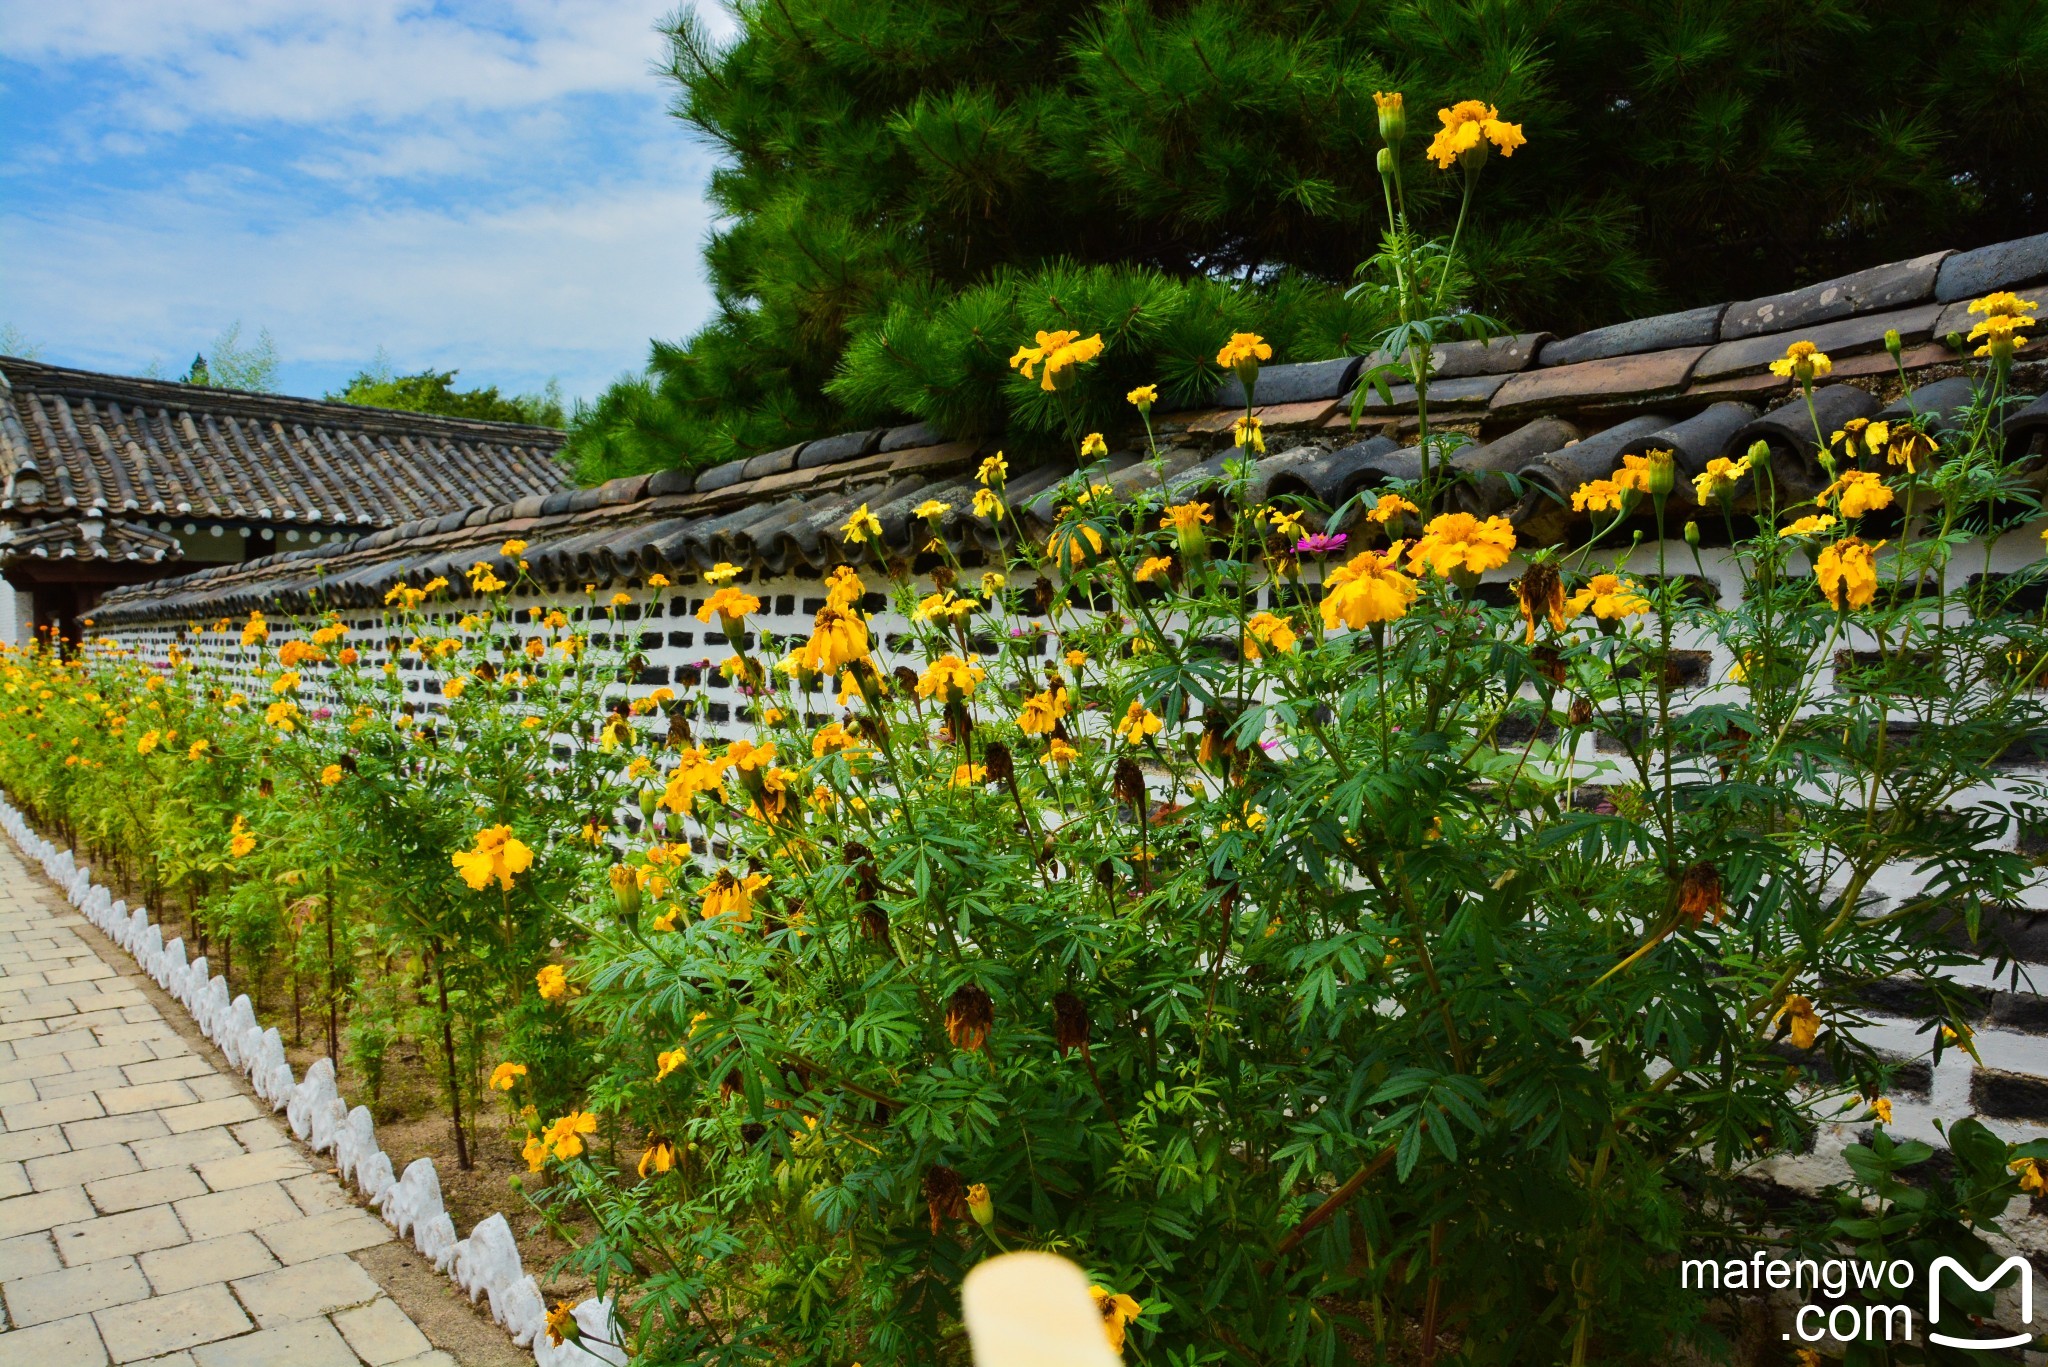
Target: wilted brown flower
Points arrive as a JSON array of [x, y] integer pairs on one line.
[[1699, 893], [1581, 712], [265, 788], [731, 1085], [1041, 595], [968, 1017], [906, 678], [1541, 591], [1547, 662], [998, 763], [944, 1195], [1070, 1023], [1129, 785]]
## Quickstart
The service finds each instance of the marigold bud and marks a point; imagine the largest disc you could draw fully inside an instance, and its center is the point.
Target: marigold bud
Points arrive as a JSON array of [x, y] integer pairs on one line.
[[980, 1206], [1893, 342], [1699, 893], [1128, 786], [1385, 162], [648, 799], [1581, 712], [997, 763], [625, 887], [1692, 534]]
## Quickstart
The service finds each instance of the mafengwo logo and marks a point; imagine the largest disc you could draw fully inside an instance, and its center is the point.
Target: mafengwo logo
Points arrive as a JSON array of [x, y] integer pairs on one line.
[[1865, 1319]]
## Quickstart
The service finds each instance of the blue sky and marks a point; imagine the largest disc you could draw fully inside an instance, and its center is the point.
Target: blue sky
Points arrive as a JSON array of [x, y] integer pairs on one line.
[[494, 186]]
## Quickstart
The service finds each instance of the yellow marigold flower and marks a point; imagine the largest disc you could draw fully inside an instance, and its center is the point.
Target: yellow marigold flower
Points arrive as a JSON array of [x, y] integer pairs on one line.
[[669, 1060], [1460, 541], [860, 526], [659, 1158], [1060, 753], [285, 682], [987, 505], [483, 579], [620, 600], [2001, 335], [1153, 567], [1649, 473], [1284, 521], [330, 776], [1060, 352], [255, 631], [1042, 712], [1117, 1311], [1368, 588], [729, 895], [1248, 431], [994, 469], [2032, 1180], [839, 637], [731, 605], [1719, 478], [1468, 126], [1143, 397], [1391, 506], [1881, 1107], [931, 509], [1139, 722], [1609, 597], [1847, 572], [657, 581], [1909, 447], [553, 982], [1798, 1012], [283, 715], [505, 1075], [496, 855], [950, 679], [967, 775], [565, 1136], [993, 582], [240, 841], [453, 689], [1266, 632], [197, 750], [1093, 445], [1803, 362], [746, 756], [1074, 545], [832, 738], [945, 603], [1811, 525], [535, 1152], [1182, 516], [2002, 304], [555, 620], [1243, 346], [723, 572], [150, 740], [1859, 492]]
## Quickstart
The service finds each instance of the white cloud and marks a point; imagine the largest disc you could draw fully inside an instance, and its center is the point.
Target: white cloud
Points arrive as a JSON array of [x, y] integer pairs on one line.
[[511, 295], [493, 185]]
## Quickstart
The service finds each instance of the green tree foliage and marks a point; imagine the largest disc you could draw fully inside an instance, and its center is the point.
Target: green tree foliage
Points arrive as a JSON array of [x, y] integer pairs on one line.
[[232, 364], [912, 166], [434, 391]]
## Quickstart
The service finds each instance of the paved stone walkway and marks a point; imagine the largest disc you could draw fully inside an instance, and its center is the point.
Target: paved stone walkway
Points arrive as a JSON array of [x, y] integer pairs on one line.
[[150, 1211]]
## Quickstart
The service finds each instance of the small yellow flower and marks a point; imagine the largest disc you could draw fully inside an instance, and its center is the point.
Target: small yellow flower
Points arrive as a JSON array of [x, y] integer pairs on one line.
[[724, 572], [861, 526], [1389, 507], [197, 750], [1139, 722], [657, 581], [669, 1060], [565, 1136], [931, 509], [505, 1075], [1117, 1312], [1060, 753], [553, 982], [1468, 126], [967, 775], [1813, 524], [1608, 597], [1798, 1012], [1243, 346], [1459, 541], [2032, 1180], [1061, 352], [1859, 492], [1143, 397], [1804, 362], [1882, 1109], [1370, 588], [994, 470], [512, 549], [330, 776], [659, 1158], [1719, 478], [1183, 516], [1266, 632], [495, 855], [1093, 445], [1847, 572], [987, 504], [1153, 567], [1042, 712], [1248, 431], [240, 841]]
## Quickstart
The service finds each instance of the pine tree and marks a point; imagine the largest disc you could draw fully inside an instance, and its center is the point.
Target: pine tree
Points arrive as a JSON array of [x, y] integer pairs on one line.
[[899, 169]]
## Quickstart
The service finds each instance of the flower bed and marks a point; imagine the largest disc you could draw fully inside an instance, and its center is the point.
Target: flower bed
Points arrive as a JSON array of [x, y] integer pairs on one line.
[[1332, 952]]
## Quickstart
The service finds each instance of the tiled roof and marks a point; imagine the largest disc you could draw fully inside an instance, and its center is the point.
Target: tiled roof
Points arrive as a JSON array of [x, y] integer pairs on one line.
[[73, 440], [1544, 414]]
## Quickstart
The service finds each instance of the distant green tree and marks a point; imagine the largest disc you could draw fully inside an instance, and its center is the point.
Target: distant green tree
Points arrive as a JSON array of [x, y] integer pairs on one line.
[[15, 342], [883, 160], [231, 365], [434, 391]]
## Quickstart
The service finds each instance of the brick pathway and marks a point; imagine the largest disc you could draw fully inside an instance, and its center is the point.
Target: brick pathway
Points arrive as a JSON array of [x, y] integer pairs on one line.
[[149, 1210]]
